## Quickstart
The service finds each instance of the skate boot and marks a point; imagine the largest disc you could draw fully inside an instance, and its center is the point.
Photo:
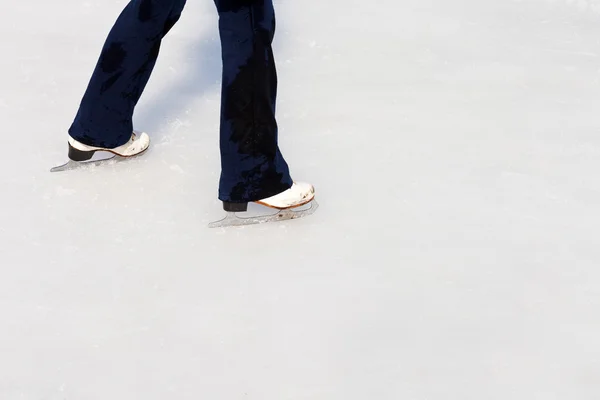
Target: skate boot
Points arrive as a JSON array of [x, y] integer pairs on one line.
[[81, 155], [286, 202]]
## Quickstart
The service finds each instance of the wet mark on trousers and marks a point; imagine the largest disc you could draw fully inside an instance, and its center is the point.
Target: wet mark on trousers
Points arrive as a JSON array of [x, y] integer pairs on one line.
[[112, 58], [259, 182], [249, 110]]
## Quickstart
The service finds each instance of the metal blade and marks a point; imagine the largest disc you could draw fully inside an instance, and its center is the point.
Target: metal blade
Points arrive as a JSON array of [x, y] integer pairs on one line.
[[233, 220], [72, 165]]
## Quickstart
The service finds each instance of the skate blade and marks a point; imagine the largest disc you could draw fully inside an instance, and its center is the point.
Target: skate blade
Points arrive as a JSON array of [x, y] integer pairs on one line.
[[73, 165], [283, 215], [112, 159]]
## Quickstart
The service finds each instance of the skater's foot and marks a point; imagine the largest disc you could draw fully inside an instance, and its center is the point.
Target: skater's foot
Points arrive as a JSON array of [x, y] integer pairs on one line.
[[137, 144], [298, 195], [287, 202], [82, 155]]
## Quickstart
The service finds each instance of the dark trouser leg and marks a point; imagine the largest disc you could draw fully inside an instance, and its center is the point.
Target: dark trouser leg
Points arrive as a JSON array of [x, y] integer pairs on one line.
[[128, 57], [252, 165]]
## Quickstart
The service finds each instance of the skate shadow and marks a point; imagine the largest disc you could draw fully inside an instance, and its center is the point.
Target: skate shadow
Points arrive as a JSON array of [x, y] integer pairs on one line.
[[197, 73]]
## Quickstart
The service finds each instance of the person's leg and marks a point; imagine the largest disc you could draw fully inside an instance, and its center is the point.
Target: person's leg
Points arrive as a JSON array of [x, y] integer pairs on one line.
[[252, 165], [104, 118]]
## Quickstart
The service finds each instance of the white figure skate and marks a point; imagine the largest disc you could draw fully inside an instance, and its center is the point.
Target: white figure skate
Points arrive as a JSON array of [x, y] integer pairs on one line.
[[81, 155], [288, 204]]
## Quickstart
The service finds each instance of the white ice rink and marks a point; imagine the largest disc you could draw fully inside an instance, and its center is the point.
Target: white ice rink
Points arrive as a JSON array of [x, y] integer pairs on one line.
[[455, 148]]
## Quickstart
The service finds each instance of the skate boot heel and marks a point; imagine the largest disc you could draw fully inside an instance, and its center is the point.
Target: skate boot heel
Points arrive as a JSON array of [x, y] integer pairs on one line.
[[80, 155], [235, 207]]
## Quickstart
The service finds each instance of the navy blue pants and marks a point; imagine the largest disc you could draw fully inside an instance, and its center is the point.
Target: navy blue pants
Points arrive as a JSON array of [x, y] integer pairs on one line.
[[252, 166]]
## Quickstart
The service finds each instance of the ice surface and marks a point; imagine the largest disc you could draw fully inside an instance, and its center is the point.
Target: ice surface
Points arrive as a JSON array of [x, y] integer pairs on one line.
[[455, 148]]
